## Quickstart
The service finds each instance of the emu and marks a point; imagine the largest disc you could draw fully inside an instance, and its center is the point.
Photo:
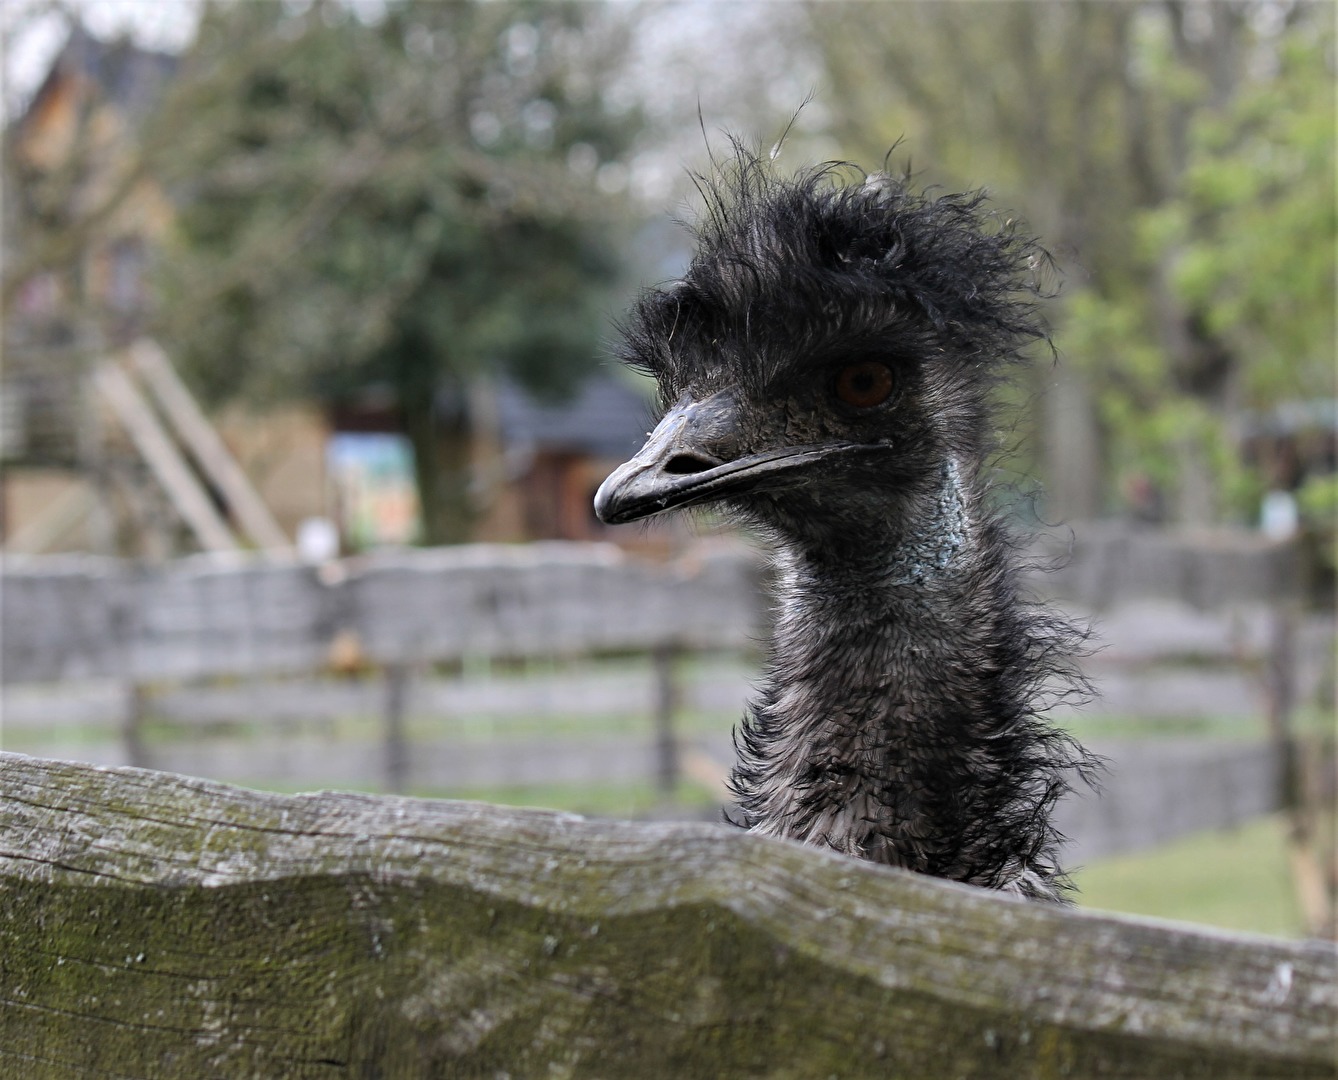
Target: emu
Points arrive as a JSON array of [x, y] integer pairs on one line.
[[828, 369]]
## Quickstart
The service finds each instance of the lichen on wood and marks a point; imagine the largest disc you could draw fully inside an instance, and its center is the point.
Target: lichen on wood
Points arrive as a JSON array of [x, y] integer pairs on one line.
[[156, 926]]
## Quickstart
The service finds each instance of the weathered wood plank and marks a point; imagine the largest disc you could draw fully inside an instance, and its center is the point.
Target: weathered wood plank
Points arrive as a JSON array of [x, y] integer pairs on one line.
[[208, 449], [157, 926], [585, 691], [1111, 562], [498, 600], [1158, 790], [1154, 791], [68, 617], [60, 618], [188, 495], [581, 691], [90, 618], [204, 617]]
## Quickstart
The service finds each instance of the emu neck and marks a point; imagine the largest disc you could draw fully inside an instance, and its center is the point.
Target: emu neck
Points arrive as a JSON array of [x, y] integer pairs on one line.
[[890, 725]]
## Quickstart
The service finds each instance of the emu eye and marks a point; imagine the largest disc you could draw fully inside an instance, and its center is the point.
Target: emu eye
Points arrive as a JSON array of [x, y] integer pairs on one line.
[[864, 385]]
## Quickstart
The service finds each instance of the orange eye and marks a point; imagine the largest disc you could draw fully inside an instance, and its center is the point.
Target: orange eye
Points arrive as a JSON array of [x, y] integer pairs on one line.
[[864, 385]]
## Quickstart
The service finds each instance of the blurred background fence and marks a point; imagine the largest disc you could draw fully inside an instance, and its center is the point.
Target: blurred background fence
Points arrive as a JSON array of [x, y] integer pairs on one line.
[[466, 637], [516, 670]]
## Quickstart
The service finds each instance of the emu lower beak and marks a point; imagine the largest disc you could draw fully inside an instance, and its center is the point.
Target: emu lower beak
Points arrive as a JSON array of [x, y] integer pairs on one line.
[[692, 457]]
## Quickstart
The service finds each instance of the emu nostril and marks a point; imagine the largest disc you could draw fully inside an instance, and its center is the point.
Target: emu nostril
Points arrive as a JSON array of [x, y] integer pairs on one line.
[[686, 463]]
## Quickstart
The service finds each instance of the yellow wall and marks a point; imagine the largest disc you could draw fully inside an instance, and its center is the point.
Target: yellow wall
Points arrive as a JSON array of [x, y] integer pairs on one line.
[[282, 450]]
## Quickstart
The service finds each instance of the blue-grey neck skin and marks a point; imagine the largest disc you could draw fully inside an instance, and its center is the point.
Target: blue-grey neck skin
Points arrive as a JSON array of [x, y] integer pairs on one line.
[[893, 722], [926, 553]]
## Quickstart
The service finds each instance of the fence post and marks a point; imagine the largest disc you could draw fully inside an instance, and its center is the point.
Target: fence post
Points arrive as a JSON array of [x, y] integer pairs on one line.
[[664, 660], [132, 725], [397, 747], [1301, 802]]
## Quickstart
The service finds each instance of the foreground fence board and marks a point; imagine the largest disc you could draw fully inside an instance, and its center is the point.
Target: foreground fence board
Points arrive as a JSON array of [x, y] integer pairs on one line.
[[152, 925]]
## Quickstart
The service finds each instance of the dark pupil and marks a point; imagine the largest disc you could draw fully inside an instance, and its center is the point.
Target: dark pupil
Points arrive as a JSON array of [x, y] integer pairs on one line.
[[863, 383]]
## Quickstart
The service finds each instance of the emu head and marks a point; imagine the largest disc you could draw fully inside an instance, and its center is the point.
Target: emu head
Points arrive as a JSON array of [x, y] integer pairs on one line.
[[830, 348]]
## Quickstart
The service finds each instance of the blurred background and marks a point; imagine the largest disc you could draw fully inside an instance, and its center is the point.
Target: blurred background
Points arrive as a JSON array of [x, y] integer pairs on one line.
[[306, 391]]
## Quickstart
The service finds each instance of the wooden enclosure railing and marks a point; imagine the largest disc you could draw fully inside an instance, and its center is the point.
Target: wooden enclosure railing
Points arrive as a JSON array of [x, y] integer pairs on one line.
[[87, 617], [156, 631], [70, 617], [82, 618], [154, 926]]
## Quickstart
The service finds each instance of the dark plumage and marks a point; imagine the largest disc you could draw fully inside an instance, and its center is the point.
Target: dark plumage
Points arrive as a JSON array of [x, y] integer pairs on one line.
[[828, 367]]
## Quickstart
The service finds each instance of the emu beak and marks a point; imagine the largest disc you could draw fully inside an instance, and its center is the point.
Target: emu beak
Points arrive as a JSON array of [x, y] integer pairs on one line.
[[693, 457], [687, 448]]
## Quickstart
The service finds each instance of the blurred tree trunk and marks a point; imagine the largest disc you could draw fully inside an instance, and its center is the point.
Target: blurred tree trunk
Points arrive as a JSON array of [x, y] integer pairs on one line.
[[436, 422], [441, 470], [1073, 463]]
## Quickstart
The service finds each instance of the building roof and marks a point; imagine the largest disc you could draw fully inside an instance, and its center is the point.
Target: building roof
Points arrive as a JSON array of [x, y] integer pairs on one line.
[[605, 417], [131, 78]]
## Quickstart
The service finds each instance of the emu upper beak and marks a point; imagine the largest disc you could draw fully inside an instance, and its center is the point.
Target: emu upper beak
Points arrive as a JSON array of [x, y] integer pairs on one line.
[[687, 449], [691, 457]]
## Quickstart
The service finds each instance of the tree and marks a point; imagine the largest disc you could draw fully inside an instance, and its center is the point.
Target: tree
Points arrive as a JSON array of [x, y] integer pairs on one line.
[[403, 201], [1084, 118], [1243, 248]]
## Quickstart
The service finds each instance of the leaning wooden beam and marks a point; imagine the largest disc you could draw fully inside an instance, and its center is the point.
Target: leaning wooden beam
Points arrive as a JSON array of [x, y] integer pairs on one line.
[[157, 926], [154, 446], [206, 447]]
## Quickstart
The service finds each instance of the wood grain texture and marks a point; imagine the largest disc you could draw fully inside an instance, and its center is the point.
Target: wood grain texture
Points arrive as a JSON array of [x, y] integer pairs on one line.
[[156, 926]]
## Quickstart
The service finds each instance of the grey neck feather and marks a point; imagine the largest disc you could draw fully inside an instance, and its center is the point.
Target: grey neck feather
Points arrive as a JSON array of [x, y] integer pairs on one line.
[[873, 678]]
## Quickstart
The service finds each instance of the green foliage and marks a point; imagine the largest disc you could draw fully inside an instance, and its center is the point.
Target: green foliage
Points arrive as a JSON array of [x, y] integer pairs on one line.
[[1178, 161], [357, 210], [1318, 500], [1253, 233], [1245, 249], [398, 202]]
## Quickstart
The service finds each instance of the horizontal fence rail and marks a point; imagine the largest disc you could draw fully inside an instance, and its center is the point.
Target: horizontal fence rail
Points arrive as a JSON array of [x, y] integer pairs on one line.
[[153, 925], [84, 617], [1102, 564], [237, 655]]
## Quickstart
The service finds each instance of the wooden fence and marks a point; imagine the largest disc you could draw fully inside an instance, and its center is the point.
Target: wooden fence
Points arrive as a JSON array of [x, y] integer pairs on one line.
[[81, 617], [152, 634], [71, 619], [157, 926]]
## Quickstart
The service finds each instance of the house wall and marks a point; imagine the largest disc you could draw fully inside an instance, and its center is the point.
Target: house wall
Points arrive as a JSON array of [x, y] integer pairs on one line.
[[30, 495], [282, 450]]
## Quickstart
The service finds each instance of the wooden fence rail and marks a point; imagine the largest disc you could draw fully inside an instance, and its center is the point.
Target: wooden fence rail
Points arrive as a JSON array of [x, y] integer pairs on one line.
[[80, 618], [159, 637], [69, 617], [86, 617], [154, 926]]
